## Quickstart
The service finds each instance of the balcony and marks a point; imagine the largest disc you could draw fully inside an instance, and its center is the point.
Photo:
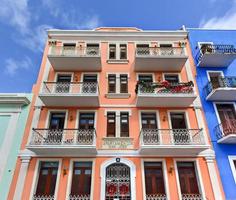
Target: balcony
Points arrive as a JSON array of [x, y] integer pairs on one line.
[[75, 58], [63, 142], [224, 89], [172, 142], [117, 143], [215, 55], [165, 94], [226, 132], [160, 59], [82, 94]]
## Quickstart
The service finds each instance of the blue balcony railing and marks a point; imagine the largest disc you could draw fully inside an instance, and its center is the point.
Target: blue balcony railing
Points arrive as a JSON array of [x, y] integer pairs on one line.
[[220, 82]]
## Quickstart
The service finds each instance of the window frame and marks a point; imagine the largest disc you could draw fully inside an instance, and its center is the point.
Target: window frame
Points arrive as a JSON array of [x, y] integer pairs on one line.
[[128, 123], [86, 111], [63, 73], [169, 73], [117, 53], [115, 123], [118, 83], [70, 176], [197, 172], [232, 159], [46, 126], [36, 175], [165, 175]]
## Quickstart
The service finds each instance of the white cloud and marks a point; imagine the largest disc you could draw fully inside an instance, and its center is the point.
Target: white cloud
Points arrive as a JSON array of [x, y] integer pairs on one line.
[[228, 21], [15, 13], [12, 65]]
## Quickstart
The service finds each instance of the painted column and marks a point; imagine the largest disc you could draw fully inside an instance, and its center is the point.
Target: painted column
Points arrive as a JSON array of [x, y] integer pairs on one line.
[[210, 160], [25, 160]]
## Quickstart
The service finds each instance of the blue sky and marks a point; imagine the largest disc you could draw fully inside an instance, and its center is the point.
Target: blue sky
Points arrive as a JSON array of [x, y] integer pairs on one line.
[[23, 24]]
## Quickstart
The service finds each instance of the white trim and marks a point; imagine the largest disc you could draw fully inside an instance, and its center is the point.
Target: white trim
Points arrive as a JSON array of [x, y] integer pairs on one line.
[[36, 175], [85, 73], [216, 111], [125, 161], [117, 43], [165, 175], [146, 73], [63, 73], [117, 111], [169, 73], [179, 111], [55, 111], [198, 175], [69, 180], [86, 111], [233, 167], [200, 43], [213, 71], [117, 74], [150, 111]]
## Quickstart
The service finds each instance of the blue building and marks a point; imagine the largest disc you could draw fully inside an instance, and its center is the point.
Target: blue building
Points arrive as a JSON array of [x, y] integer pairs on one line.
[[214, 53]]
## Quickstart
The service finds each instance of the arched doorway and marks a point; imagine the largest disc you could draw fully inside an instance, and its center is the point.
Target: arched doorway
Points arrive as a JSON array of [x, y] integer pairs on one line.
[[118, 182], [121, 173]]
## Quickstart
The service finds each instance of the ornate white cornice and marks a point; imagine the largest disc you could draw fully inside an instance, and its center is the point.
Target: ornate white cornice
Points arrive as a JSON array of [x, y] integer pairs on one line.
[[10, 98]]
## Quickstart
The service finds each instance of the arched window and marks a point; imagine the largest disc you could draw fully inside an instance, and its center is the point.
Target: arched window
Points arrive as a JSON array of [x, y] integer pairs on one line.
[[117, 182]]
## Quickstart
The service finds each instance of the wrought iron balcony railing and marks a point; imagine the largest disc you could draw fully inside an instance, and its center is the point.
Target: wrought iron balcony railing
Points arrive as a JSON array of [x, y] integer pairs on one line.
[[75, 51], [159, 51], [192, 197], [156, 197], [220, 82], [43, 197], [226, 128], [214, 49], [79, 197], [172, 137], [82, 88], [65, 137], [164, 87]]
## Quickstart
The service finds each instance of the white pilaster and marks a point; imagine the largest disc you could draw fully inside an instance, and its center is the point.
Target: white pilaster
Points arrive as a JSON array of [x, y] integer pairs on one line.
[[25, 160], [210, 160]]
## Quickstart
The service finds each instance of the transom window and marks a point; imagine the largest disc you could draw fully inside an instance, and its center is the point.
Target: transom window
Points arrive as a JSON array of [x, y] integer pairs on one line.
[[171, 78], [145, 77], [86, 121]]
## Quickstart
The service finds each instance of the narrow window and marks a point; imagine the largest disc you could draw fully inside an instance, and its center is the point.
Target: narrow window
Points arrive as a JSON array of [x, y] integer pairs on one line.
[[187, 178], [89, 83], [216, 79], [123, 51], [154, 179], [69, 49], [111, 124], [124, 124], [92, 49], [57, 120], [123, 83], [81, 180], [112, 51], [46, 179], [111, 83], [142, 49]]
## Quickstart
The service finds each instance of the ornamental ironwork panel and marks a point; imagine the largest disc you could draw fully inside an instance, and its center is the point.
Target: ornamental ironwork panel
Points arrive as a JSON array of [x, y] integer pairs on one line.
[[118, 182], [43, 197], [156, 197], [192, 197], [79, 197], [159, 51]]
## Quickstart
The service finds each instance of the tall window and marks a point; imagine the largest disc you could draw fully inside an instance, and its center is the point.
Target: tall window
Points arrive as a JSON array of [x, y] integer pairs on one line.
[[124, 124], [86, 121], [123, 83], [154, 179], [63, 83], [149, 120], [118, 83], [111, 83], [57, 120], [112, 51], [46, 179], [111, 124], [123, 51], [187, 178], [81, 180]]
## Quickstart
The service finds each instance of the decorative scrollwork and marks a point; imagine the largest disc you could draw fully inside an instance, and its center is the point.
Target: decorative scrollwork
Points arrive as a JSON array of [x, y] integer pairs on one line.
[[159, 51]]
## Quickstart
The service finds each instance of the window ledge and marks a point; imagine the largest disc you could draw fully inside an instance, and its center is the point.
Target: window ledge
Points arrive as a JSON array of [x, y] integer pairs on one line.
[[118, 95], [118, 61]]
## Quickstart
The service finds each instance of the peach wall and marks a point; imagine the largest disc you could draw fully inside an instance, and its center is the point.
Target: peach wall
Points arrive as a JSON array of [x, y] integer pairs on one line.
[[171, 175]]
